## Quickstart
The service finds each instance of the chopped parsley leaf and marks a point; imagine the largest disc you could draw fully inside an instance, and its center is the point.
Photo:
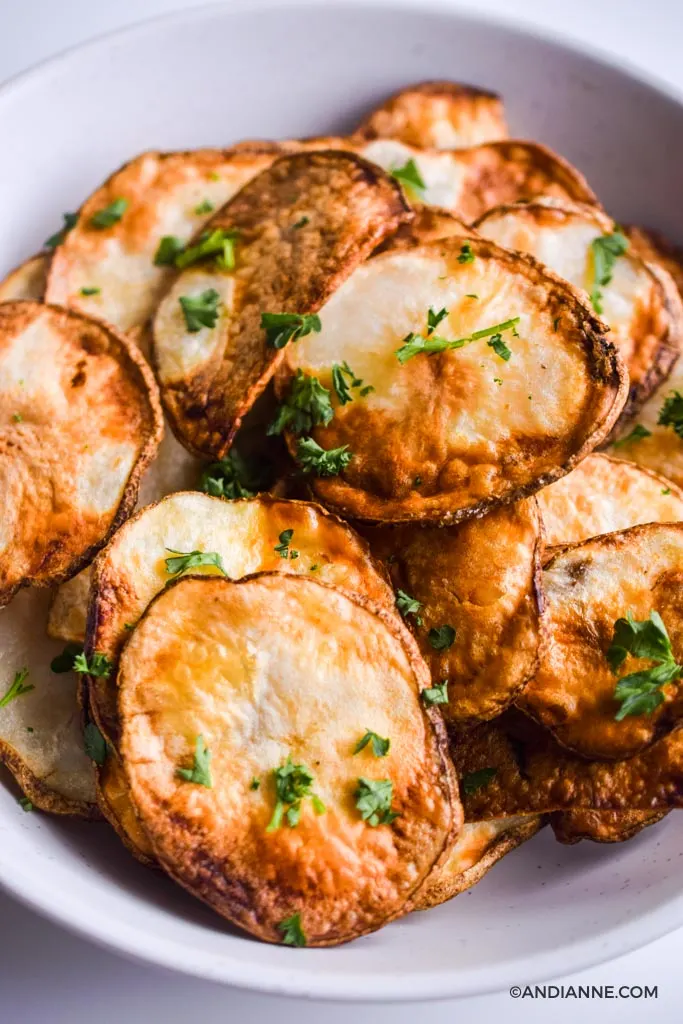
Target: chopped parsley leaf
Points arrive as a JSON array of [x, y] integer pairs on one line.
[[409, 176], [436, 694], [109, 215], [255, 783], [70, 221], [206, 206], [293, 782], [98, 666], [441, 637], [343, 388], [94, 744], [415, 343], [90, 291], [407, 605], [314, 459], [380, 746], [200, 772], [283, 549], [666, 490], [301, 223], [637, 434], [282, 328], [473, 781], [17, 688], [671, 413], [373, 800], [292, 932], [307, 405], [434, 319], [17, 417], [605, 251], [182, 561], [235, 477], [499, 347], [640, 693], [466, 254], [169, 248], [200, 310], [25, 804], [64, 662], [218, 243]]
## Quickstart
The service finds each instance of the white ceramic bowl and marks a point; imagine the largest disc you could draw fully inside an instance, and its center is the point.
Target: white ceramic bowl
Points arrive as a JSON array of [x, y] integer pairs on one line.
[[210, 77]]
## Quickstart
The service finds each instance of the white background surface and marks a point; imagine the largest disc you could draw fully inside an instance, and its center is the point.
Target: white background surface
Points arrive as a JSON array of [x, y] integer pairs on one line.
[[46, 975]]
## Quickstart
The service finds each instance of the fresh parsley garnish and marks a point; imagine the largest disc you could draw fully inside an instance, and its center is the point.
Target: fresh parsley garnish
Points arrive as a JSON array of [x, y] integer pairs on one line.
[[499, 347], [434, 319], [17, 688], [671, 413], [307, 405], [473, 781], [344, 379], [641, 692], [200, 772], [301, 223], [291, 931], [182, 561], [235, 477], [380, 746], [666, 490], [169, 248], [206, 206], [70, 221], [314, 459], [200, 310], [441, 637], [99, 665], [415, 343], [254, 784], [466, 254], [637, 434], [408, 605], [293, 782], [217, 243], [436, 694], [17, 417], [94, 744], [109, 215], [281, 328], [409, 176], [25, 804], [64, 662], [373, 800], [605, 249], [90, 290], [283, 549]]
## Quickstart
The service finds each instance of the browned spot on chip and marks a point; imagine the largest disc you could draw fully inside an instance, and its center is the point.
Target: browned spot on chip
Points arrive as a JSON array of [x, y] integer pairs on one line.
[[601, 826]]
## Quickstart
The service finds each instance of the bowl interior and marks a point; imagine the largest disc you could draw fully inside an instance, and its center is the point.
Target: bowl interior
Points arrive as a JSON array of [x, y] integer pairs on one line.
[[213, 76]]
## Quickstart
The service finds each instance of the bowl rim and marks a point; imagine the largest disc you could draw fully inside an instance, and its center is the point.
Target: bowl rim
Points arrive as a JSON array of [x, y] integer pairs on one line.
[[37, 893]]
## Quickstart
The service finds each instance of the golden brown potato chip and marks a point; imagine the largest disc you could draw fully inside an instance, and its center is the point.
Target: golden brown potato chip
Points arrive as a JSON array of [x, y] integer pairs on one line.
[[587, 589], [479, 845], [80, 421], [511, 766], [639, 301], [655, 248], [430, 224], [603, 495], [441, 115], [107, 264], [41, 739], [113, 798], [303, 226], [278, 678], [601, 826], [471, 595], [448, 434], [27, 281]]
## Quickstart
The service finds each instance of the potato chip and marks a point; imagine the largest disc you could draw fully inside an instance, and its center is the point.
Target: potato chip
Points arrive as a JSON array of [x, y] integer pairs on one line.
[[571, 827], [27, 281]]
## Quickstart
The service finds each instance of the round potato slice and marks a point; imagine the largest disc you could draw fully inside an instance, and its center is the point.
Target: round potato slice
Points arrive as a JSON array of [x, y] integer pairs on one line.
[[41, 739], [638, 300], [430, 224], [601, 826], [655, 248], [471, 595], [448, 435], [302, 227], [479, 846], [26, 281], [106, 264], [442, 115], [603, 495], [113, 797], [276, 674], [588, 588], [79, 421]]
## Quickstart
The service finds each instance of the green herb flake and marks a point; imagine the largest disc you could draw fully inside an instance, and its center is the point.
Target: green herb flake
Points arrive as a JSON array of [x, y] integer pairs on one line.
[[323, 463], [206, 206], [466, 254], [306, 405], [200, 772], [94, 744], [282, 328], [99, 665], [499, 347], [182, 561], [640, 693], [473, 781], [301, 223], [254, 784], [436, 694], [168, 249], [637, 434], [409, 176], [605, 250], [217, 244], [110, 215], [666, 490], [17, 417], [671, 413], [17, 688], [408, 605], [200, 310], [283, 549], [471, 295], [373, 799], [441, 637], [90, 290], [64, 662], [497, 380], [25, 804], [291, 931], [235, 477], [380, 746], [293, 783], [434, 318], [414, 343], [344, 379], [70, 221]]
